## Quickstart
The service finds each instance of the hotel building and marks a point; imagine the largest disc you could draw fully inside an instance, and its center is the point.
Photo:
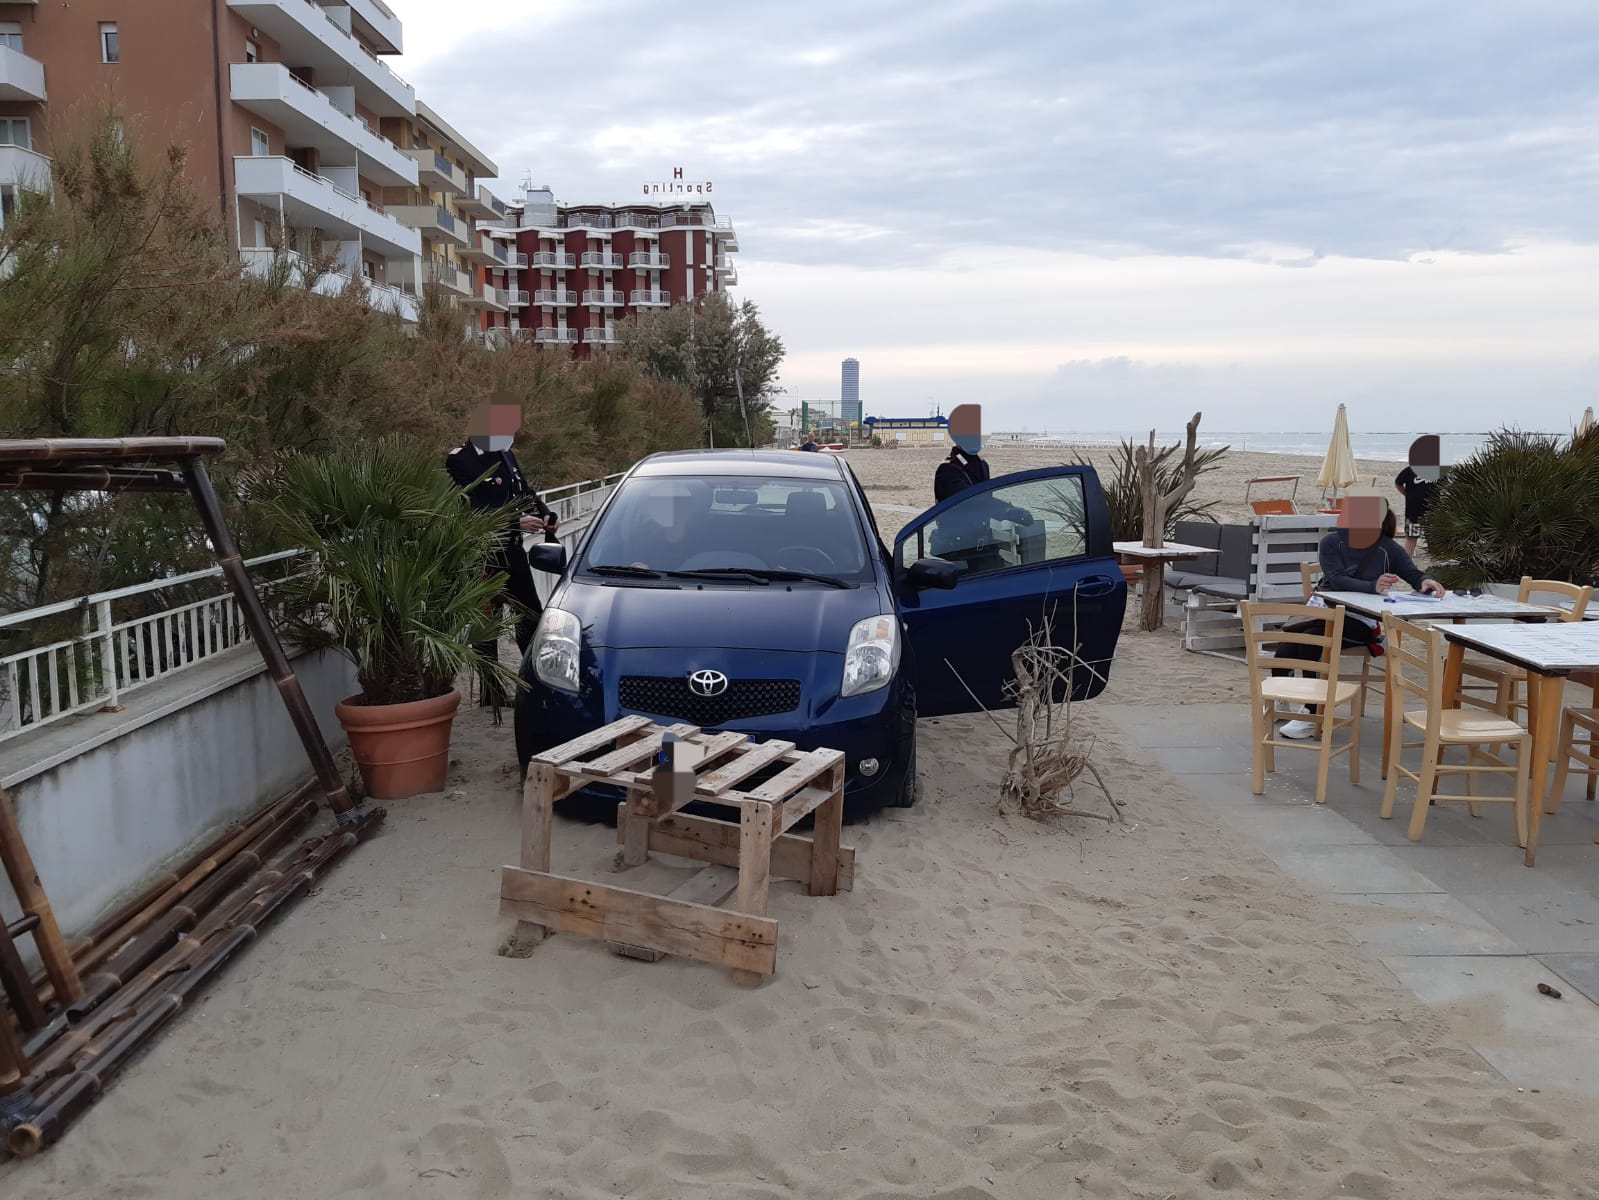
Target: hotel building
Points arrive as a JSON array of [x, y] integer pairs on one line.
[[586, 267], [296, 128]]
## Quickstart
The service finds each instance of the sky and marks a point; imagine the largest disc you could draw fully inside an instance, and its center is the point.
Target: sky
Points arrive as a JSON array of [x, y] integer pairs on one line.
[[1090, 214]]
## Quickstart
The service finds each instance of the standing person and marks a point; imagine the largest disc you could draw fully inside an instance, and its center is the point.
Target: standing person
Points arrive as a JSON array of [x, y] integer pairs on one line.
[[1358, 556], [1418, 483], [964, 467], [485, 467]]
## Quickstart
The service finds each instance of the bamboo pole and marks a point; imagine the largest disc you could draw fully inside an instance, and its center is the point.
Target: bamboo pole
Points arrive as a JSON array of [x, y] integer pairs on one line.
[[100, 1061], [30, 895], [277, 663], [17, 982], [16, 1098]]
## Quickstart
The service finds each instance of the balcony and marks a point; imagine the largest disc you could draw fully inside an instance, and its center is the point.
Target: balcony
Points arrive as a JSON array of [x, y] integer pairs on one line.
[[552, 260], [588, 220], [482, 251], [514, 260], [438, 224], [311, 37], [381, 26], [554, 297], [599, 337], [449, 277], [263, 261], [435, 171], [26, 168], [516, 297], [480, 202], [651, 299], [644, 221], [600, 260], [644, 260], [549, 335], [21, 77], [310, 201], [726, 270], [604, 298], [694, 220], [309, 117], [486, 295]]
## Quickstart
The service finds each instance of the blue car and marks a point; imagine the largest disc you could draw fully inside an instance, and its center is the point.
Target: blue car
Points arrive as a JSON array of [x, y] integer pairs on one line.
[[750, 590]]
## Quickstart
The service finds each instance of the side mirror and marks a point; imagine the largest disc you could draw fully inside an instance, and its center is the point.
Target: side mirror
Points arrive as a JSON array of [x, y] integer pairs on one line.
[[931, 573], [547, 556]]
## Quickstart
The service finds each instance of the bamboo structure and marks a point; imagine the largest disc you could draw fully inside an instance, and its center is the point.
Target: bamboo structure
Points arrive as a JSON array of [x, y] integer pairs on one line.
[[30, 895]]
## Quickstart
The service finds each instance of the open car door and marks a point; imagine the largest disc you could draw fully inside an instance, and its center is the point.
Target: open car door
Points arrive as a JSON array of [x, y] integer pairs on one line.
[[1025, 547]]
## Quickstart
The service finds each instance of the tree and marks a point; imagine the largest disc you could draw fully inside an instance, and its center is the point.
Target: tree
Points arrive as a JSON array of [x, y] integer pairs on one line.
[[722, 354]]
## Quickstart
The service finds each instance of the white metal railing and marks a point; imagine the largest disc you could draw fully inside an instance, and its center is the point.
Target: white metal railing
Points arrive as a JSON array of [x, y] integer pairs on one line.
[[548, 333], [372, 54], [599, 335], [643, 258], [554, 296], [517, 297], [601, 260], [604, 296], [515, 260], [112, 657], [651, 297], [557, 259]]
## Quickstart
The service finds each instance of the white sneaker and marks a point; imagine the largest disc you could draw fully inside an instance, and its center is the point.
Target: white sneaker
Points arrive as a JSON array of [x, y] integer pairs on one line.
[[1298, 730]]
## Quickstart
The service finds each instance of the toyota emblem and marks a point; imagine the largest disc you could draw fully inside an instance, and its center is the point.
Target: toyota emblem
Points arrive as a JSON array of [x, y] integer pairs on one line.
[[707, 683]]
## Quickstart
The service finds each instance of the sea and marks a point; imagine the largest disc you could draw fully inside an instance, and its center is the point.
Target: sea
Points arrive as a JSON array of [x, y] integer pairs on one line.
[[1383, 447]]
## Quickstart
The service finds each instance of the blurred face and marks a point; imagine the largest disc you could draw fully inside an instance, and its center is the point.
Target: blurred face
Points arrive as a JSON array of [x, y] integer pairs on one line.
[[667, 509], [494, 426], [966, 427], [1425, 457], [1362, 516]]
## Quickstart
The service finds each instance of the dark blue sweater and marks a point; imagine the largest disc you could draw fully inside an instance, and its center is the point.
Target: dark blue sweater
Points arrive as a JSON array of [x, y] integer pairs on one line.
[[1340, 561]]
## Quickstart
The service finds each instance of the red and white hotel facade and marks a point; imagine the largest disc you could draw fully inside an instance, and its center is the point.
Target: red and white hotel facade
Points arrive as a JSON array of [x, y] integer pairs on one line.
[[573, 273]]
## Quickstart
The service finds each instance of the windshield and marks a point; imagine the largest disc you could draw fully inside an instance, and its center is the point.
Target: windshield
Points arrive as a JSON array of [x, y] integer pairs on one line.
[[748, 523]]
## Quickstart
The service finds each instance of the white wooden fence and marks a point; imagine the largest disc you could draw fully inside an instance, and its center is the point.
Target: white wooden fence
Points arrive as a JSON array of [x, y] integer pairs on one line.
[[114, 654]]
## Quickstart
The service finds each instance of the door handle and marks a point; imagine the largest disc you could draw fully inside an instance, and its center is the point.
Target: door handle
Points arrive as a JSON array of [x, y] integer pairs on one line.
[[1096, 585]]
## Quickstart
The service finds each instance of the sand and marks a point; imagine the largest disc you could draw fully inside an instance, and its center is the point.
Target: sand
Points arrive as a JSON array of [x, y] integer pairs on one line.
[[999, 1009]]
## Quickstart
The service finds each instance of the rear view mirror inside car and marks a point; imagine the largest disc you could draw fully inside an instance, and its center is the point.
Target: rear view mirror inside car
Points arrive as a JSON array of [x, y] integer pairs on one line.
[[736, 497]]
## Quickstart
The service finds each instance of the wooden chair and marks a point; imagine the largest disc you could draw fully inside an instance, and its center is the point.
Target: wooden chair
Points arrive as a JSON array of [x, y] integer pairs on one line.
[[1326, 691], [1416, 657], [1499, 686], [1370, 683], [1586, 752]]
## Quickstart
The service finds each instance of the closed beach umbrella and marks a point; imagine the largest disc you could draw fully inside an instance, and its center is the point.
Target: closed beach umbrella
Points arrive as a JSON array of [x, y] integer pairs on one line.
[[1338, 468], [1585, 426]]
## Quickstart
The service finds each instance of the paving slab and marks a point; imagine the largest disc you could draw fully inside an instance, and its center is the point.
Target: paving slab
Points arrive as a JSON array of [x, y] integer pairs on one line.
[[1568, 1064], [1422, 923], [1551, 920], [1277, 826], [1513, 983], [1346, 869], [1205, 760], [1581, 971]]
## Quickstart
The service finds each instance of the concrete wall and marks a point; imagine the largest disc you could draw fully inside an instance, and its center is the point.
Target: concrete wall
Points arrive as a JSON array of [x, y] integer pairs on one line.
[[103, 823]]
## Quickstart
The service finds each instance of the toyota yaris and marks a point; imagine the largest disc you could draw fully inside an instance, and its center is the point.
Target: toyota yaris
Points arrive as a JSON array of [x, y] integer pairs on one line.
[[750, 590]]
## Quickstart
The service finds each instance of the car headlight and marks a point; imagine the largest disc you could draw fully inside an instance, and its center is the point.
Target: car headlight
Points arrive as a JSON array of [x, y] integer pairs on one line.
[[556, 643], [872, 656]]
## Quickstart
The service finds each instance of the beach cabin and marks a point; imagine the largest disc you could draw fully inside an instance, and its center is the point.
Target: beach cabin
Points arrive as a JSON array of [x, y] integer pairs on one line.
[[910, 431]]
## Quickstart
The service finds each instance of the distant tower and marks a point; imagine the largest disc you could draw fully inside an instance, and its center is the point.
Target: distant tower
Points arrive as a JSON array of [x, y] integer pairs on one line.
[[849, 394]]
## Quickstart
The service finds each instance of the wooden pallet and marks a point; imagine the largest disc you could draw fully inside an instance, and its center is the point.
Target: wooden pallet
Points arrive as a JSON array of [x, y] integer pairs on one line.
[[742, 856]]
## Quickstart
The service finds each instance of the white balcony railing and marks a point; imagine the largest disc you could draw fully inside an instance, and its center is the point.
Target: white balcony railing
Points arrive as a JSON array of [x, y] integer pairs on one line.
[[646, 298], [21, 77], [601, 260], [270, 88], [555, 297], [385, 297], [517, 297], [552, 260], [644, 260], [598, 337], [307, 31], [274, 176], [515, 261], [604, 297], [553, 336], [27, 168]]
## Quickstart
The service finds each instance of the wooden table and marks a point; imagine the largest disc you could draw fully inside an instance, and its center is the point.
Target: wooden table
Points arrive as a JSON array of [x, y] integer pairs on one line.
[[1156, 558], [742, 856], [1549, 653], [1413, 607]]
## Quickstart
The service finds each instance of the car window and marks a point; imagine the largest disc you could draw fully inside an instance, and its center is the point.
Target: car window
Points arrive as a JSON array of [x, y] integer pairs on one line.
[[1013, 525], [682, 523]]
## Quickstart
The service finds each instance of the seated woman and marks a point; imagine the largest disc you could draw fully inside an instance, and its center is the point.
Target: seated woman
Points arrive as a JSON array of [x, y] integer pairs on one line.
[[1361, 555]]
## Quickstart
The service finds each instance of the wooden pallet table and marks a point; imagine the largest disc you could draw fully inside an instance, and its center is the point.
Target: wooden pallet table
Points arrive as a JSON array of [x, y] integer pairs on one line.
[[741, 857]]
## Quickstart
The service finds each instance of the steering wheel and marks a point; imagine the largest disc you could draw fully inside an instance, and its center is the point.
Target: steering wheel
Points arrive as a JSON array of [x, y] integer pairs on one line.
[[820, 561]]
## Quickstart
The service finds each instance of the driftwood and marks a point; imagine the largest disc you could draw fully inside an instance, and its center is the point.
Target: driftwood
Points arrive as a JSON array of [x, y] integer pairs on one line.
[[1156, 505], [1048, 755]]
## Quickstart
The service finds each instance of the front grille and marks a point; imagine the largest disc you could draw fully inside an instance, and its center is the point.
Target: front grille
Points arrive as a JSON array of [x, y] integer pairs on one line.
[[669, 696]]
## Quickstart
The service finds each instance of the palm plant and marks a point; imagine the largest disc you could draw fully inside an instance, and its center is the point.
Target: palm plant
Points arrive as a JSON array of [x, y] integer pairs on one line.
[[1525, 504], [1126, 500], [397, 581]]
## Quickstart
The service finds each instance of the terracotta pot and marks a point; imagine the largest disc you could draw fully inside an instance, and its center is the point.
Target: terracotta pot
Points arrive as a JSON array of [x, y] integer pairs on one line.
[[402, 749]]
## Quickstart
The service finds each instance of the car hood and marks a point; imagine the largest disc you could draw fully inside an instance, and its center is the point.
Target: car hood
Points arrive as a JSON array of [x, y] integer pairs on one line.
[[807, 617]]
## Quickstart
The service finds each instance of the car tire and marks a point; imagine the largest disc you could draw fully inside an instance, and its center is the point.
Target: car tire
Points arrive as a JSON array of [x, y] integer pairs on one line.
[[909, 790]]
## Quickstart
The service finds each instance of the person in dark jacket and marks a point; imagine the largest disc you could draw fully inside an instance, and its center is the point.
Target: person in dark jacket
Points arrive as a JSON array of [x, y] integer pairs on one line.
[[1418, 483], [1359, 556], [486, 469]]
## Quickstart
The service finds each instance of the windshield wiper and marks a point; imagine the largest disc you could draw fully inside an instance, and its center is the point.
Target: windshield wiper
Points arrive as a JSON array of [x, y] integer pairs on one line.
[[761, 574], [624, 572]]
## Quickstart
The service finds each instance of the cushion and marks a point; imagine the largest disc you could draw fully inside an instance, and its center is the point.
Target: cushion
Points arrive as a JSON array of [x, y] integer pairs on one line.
[[1237, 544], [1198, 533]]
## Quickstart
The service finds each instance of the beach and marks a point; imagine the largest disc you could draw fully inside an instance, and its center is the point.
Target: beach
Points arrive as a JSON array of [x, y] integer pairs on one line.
[[999, 1009]]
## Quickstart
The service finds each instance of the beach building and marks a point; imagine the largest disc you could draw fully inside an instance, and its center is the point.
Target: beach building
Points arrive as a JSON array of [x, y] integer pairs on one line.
[[910, 431], [297, 130], [588, 267], [849, 393]]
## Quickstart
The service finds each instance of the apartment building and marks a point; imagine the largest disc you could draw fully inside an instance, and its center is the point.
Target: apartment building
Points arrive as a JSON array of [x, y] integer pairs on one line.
[[586, 267], [294, 122]]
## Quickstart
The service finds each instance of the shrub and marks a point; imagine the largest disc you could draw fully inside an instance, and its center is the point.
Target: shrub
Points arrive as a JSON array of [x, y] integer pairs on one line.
[[1126, 501], [1525, 504]]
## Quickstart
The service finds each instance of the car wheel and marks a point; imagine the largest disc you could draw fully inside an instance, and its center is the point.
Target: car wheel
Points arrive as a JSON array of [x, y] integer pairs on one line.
[[908, 789]]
